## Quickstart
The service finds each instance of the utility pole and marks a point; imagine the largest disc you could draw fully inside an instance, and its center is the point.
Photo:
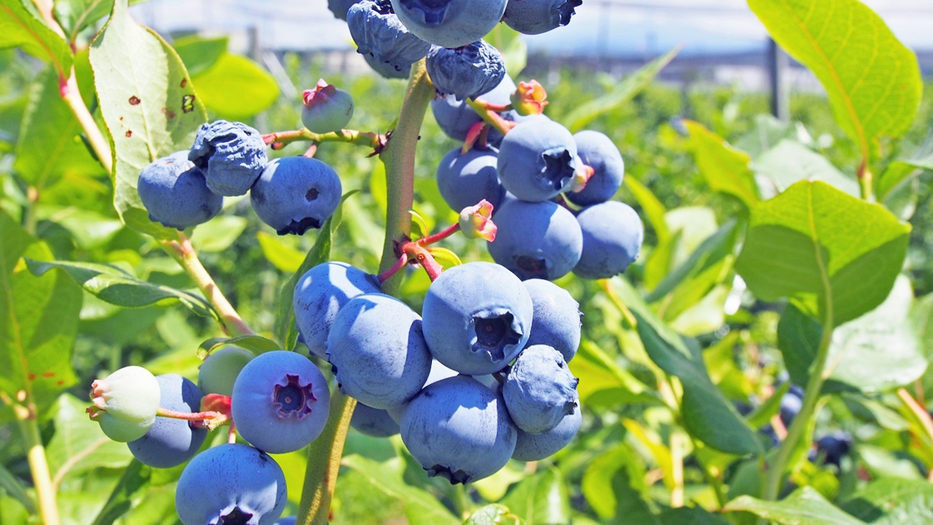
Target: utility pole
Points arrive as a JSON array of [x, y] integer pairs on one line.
[[778, 62]]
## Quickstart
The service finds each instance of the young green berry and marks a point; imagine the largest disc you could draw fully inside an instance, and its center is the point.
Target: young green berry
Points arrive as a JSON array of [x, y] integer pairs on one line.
[[125, 403], [221, 368], [326, 108]]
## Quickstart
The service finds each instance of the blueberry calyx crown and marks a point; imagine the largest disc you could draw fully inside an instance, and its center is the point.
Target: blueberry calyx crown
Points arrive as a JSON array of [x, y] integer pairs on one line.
[[235, 517], [433, 10], [292, 398], [559, 167], [494, 331], [454, 477], [384, 7], [532, 267], [567, 10]]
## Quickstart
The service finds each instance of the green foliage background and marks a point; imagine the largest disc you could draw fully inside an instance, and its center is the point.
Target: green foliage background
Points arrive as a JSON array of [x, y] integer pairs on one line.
[[665, 371]]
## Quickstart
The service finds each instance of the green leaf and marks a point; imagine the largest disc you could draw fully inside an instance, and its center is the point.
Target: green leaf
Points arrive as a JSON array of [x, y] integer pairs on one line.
[[49, 145], [148, 104], [898, 172], [893, 501], [445, 257], [235, 87], [599, 485], [707, 414], [763, 413], [825, 248], [791, 161], [724, 167], [872, 79], [652, 207], [283, 257], [79, 445], [132, 485], [707, 255], [76, 15], [512, 45], [89, 229], [632, 507], [218, 234], [691, 516], [13, 487], [804, 507], [494, 514], [387, 477], [605, 383], [199, 53], [38, 323], [541, 498], [877, 352], [767, 133], [117, 286], [624, 92], [19, 28]]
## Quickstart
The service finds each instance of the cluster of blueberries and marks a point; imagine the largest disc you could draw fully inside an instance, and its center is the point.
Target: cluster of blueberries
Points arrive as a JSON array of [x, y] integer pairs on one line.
[[228, 483], [186, 188], [478, 378], [549, 223]]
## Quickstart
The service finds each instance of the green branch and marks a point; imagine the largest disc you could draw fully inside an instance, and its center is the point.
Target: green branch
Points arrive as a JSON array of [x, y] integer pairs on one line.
[[39, 468], [399, 159]]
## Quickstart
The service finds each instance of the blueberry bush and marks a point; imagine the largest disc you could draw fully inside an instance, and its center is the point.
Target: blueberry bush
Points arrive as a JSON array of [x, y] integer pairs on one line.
[[454, 293]]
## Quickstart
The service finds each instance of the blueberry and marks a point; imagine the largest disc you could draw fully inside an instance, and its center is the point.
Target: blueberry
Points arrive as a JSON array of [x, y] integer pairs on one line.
[[536, 240], [597, 151], [231, 483], [374, 422], [378, 33], [834, 447], [232, 155], [464, 179], [320, 293], [557, 318], [477, 317], [533, 17], [295, 194], [534, 447], [171, 442], [459, 429], [539, 389], [378, 351], [326, 108], [450, 23], [287, 521], [280, 402], [125, 403], [220, 369], [175, 193], [385, 69], [340, 7], [456, 118], [537, 160], [465, 72], [612, 237], [438, 372]]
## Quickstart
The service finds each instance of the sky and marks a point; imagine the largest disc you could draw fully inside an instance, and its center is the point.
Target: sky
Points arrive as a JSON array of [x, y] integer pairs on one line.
[[611, 27]]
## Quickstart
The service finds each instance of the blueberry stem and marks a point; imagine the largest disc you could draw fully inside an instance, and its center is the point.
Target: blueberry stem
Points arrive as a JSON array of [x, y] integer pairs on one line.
[[209, 419], [919, 414], [399, 159], [402, 261], [439, 236], [324, 462], [279, 139], [183, 253], [481, 107], [865, 181], [68, 88], [39, 469]]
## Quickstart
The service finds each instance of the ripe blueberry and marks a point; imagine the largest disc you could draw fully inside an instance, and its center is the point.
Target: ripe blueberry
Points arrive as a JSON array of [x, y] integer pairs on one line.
[[170, 442], [536, 240], [295, 194], [231, 483], [280, 402], [476, 317], [612, 237], [465, 72], [231, 155], [458, 429], [175, 193], [378, 351], [320, 293]]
